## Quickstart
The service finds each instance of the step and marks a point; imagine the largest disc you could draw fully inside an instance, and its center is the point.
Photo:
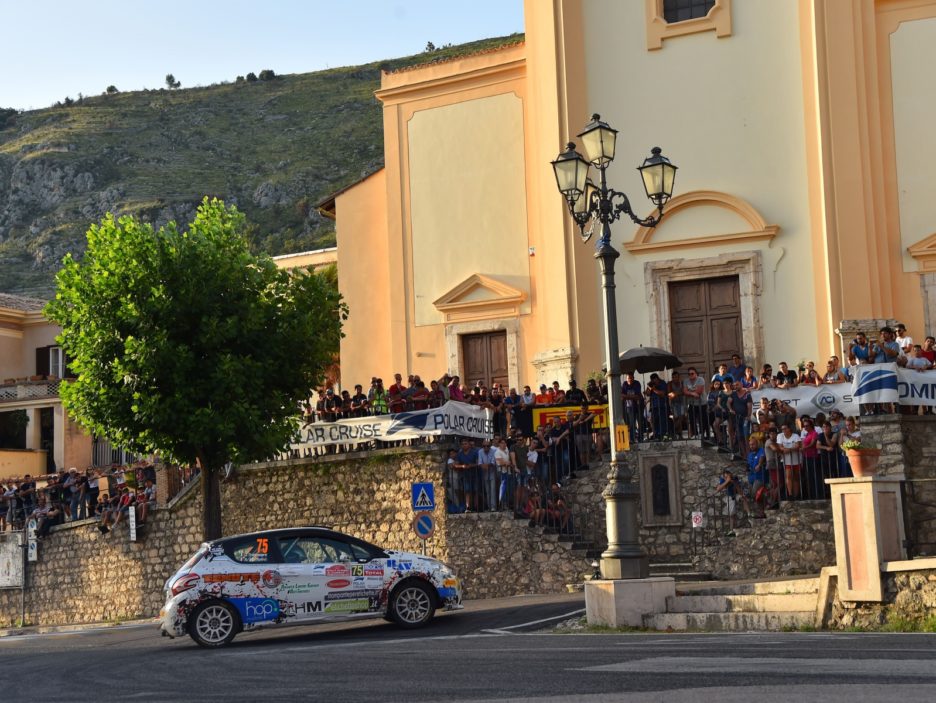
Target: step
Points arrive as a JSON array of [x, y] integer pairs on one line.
[[680, 571], [730, 622], [777, 586], [771, 603]]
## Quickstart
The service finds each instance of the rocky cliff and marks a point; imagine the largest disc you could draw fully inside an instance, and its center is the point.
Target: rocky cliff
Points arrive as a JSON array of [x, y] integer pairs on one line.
[[273, 147]]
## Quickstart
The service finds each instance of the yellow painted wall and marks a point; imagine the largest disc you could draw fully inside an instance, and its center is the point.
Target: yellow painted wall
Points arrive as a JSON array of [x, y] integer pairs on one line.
[[729, 112], [468, 199], [913, 59], [16, 463], [364, 280]]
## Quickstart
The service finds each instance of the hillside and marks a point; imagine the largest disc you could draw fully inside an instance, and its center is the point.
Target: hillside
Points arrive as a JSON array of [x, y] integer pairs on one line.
[[273, 147]]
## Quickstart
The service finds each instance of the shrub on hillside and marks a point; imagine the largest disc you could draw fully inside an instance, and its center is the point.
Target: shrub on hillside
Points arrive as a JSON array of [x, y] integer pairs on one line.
[[267, 74], [251, 77]]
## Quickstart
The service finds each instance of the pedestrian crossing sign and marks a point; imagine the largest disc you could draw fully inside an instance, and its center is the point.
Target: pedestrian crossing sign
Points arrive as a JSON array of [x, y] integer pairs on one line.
[[423, 496]]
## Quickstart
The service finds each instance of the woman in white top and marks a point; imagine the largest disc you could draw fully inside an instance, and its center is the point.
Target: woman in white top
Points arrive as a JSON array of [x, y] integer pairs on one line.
[[791, 450]]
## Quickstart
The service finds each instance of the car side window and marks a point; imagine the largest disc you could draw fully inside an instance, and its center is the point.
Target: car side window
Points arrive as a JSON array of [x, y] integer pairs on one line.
[[314, 550], [250, 550]]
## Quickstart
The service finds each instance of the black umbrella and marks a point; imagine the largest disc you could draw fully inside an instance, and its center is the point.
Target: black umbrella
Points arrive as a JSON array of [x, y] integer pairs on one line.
[[647, 359]]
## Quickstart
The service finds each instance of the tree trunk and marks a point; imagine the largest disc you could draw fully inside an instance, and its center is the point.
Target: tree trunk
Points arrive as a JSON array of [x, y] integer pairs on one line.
[[211, 507]]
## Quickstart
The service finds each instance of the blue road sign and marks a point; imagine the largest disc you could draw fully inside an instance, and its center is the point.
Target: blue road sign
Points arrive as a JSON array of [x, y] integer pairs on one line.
[[423, 496], [424, 525]]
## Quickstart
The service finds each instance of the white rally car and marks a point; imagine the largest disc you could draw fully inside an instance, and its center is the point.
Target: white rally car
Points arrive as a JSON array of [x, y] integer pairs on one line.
[[300, 576]]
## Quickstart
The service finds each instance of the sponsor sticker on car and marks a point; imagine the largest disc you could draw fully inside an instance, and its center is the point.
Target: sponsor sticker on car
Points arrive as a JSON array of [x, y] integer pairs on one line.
[[338, 583], [347, 606], [337, 570], [256, 609]]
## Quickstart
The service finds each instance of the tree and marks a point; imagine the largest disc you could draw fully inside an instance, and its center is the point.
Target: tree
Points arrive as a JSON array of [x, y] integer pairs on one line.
[[430, 47], [267, 74], [187, 345], [171, 81], [251, 77], [111, 89]]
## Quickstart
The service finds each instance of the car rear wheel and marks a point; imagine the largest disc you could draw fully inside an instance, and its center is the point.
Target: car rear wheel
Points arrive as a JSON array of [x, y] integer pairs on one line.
[[412, 605], [213, 624]]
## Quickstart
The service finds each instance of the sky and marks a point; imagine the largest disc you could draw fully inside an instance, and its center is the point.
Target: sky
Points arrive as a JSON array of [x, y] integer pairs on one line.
[[59, 48]]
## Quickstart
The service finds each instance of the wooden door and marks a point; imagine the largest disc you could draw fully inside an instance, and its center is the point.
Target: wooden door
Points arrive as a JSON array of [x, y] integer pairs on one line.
[[485, 358], [705, 316]]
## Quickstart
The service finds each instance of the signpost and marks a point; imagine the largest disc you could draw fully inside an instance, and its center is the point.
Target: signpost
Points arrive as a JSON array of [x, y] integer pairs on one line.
[[131, 523], [424, 525], [423, 496], [32, 544]]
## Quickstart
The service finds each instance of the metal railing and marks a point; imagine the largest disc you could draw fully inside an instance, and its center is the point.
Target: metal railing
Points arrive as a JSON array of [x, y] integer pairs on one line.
[[103, 453], [919, 503]]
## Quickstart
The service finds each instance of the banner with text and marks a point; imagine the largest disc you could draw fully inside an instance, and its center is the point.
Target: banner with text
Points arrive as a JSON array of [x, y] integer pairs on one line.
[[544, 415], [889, 383], [453, 418], [810, 400]]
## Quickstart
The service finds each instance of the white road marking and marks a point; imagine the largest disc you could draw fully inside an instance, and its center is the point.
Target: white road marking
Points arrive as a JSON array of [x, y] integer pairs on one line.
[[506, 630], [780, 665]]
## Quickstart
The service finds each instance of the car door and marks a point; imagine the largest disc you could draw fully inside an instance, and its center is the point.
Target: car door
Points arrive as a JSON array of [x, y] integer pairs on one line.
[[304, 576]]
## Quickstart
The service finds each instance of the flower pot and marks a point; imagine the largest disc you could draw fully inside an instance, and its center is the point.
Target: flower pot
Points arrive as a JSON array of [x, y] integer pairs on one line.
[[864, 462]]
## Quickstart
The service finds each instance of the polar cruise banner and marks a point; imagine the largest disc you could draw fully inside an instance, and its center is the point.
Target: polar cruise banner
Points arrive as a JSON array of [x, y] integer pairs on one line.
[[453, 418]]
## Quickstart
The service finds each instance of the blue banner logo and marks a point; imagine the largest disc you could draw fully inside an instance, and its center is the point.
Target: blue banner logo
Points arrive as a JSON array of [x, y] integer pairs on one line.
[[877, 380]]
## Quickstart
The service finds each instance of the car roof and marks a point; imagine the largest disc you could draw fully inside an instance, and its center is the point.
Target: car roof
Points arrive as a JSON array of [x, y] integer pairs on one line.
[[318, 530]]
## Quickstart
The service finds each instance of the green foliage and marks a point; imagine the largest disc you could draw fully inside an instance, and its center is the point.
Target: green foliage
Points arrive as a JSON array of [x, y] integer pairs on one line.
[[858, 444], [186, 344], [267, 74], [111, 89], [239, 79], [171, 82], [251, 77]]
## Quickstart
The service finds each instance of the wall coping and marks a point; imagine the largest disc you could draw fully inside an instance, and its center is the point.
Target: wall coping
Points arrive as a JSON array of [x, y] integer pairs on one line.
[[923, 564], [313, 461]]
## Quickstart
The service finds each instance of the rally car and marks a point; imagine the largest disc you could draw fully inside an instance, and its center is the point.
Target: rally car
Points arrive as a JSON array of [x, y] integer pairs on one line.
[[299, 576]]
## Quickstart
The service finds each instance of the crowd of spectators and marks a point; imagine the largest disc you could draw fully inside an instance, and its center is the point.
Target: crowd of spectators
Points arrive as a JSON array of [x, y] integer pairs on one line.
[[104, 494]]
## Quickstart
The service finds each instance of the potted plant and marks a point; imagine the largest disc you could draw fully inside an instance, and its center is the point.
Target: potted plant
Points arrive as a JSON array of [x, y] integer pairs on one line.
[[862, 456]]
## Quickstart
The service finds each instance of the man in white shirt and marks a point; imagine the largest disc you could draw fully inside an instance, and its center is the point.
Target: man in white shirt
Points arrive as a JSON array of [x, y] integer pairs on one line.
[[693, 390], [904, 340], [791, 450], [488, 475]]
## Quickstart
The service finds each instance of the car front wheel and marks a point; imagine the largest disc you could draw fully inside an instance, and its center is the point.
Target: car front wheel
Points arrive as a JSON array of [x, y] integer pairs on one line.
[[213, 624], [412, 605]]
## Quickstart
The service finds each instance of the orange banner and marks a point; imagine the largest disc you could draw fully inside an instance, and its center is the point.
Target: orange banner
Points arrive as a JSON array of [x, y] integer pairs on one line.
[[544, 416]]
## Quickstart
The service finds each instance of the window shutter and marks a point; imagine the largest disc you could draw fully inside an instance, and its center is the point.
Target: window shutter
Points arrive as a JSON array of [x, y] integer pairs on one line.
[[42, 361]]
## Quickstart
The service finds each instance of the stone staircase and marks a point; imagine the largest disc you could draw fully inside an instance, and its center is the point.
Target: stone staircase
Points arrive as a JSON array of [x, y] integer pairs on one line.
[[683, 571], [778, 604]]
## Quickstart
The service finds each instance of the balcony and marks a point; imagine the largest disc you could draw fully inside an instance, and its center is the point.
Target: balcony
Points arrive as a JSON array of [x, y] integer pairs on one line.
[[20, 389]]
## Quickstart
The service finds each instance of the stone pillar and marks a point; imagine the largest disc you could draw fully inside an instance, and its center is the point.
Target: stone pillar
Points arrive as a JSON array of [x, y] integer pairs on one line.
[[556, 365], [867, 514], [928, 289], [34, 429], [168, 483], [848, 328]]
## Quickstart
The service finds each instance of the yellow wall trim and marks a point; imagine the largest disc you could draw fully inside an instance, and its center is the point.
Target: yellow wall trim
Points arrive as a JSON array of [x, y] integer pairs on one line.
[[718, 20], [925, 253], [760, 230], [480, 297]]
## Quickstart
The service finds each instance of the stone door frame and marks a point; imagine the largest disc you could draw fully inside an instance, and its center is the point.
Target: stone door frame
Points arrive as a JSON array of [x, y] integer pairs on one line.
[[746, 265]]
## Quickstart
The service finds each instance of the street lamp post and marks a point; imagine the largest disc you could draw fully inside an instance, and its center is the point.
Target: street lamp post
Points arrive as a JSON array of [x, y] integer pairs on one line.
[[598, 205]]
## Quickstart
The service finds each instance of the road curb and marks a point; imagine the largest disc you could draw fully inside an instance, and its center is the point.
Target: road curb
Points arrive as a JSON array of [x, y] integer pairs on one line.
[[53, 629]]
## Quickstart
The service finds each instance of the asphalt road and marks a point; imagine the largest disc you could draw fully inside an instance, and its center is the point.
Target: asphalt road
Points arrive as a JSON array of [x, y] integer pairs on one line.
[[493, 650]]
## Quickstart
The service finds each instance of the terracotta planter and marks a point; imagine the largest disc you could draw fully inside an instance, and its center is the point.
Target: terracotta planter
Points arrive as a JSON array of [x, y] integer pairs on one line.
[[864, 462]]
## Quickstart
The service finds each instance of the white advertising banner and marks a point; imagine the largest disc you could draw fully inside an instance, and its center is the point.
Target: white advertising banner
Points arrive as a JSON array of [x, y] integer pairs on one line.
[[11, 560], [889, 383], [810, 400], [452, 418]]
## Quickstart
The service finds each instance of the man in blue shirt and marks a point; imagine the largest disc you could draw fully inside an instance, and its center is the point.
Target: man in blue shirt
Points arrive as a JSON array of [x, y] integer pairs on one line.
[[632, 393], [466, 464], [756, 475], [736, 370]]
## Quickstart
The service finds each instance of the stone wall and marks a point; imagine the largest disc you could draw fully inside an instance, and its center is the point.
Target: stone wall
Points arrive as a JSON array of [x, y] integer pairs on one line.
[[909, 597], [908, 444], [82, 576], [796, 539]]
